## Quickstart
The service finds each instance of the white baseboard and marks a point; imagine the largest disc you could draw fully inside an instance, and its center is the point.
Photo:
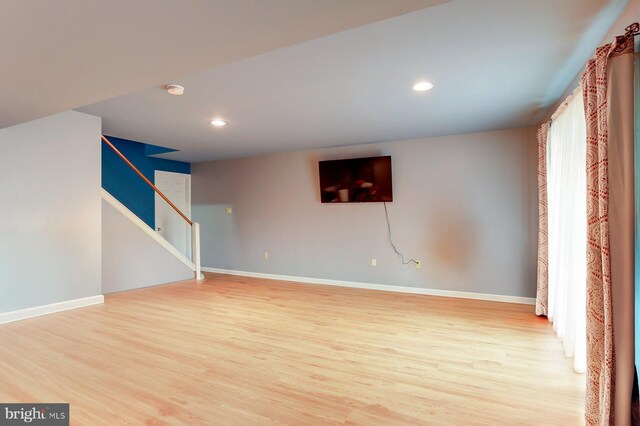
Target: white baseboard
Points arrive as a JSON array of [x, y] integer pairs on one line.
[[37, 311], [382, 287]]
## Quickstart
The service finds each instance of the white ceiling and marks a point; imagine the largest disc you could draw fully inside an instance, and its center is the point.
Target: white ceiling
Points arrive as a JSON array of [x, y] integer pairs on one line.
[[495, 64], [62, 54]]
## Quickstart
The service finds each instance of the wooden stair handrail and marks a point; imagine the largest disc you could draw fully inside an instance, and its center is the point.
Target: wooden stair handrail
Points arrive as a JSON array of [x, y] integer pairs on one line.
[[135, 169]]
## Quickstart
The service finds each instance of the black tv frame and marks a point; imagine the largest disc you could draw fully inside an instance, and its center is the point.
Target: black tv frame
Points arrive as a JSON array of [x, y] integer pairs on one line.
[[356, 180]]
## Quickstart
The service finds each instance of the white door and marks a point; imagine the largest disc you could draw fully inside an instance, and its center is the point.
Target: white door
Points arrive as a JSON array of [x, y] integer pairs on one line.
[[169, 224]]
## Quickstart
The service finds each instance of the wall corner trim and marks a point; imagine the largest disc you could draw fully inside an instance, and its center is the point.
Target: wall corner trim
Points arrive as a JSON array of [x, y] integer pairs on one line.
[[37, 311], [381, 287]]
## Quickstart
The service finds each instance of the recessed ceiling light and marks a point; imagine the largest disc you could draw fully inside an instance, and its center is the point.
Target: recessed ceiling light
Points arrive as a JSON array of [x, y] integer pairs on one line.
[[174, 89], [218, 122], [422, 86]]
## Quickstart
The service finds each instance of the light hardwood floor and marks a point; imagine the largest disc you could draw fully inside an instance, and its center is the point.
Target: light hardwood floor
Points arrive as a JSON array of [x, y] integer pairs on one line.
[[241, 351]]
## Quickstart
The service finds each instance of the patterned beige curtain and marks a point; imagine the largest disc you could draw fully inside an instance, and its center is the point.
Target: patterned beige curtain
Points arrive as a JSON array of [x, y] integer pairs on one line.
[[542, 292], [608, 99]]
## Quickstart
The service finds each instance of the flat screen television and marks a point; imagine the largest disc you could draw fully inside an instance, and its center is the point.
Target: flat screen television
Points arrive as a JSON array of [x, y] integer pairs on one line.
[[356, 180]]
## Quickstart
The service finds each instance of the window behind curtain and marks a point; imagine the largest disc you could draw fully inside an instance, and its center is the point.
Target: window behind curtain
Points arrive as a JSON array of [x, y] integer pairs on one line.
[[567, 207]]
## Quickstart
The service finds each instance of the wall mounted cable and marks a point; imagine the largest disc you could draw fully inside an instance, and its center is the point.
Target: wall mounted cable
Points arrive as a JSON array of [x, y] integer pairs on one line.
[[402, 256]]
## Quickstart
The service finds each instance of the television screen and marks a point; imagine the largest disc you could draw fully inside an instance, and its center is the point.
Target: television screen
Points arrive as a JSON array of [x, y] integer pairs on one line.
[[356, 180]]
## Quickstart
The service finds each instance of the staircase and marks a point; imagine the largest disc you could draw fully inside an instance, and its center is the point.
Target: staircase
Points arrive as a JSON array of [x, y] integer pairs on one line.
[[194, 263]]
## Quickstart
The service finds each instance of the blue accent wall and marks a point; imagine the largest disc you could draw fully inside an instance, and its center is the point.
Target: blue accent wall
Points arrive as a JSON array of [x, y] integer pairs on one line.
[[125, 185]]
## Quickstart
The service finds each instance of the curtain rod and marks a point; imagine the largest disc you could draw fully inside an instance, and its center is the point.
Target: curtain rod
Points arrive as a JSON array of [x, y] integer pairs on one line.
[[630, 31]]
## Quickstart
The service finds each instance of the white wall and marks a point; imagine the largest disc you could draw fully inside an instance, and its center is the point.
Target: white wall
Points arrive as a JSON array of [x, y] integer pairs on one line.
[[465, 205], [131, 259], [50, 220]]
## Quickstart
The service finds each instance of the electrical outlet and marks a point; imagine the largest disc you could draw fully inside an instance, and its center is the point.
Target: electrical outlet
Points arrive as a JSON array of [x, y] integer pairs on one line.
[[374, 262], [265, 255], [229, 210], [418, 264]]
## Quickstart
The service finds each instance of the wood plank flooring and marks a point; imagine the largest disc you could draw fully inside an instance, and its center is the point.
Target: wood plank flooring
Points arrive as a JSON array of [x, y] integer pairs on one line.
[[242, 351]]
